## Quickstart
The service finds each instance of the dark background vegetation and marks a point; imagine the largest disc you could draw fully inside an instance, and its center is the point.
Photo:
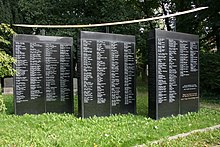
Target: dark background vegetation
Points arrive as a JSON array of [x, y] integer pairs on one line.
[[204, 23]]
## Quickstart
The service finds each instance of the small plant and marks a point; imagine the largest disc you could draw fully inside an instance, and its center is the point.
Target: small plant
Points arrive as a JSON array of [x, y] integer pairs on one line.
[[2, 104]]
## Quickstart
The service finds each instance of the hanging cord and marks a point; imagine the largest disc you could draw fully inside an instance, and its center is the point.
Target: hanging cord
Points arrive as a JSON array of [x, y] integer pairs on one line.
[[111, 23]]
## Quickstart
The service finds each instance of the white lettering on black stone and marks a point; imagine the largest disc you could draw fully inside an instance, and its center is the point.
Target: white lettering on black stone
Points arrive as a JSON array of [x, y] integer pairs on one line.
[[173, 70], [22, 71], [129, 73], [52, 64], [87, 71], [162, 56], [184, 58]]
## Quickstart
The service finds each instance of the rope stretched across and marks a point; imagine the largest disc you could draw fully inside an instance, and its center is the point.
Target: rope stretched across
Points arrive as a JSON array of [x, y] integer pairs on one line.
[[111, 23]]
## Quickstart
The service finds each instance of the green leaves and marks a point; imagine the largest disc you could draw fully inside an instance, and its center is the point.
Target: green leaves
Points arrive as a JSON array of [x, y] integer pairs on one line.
[[210, 73], [6, 34], [6, 63], [6, 42], [2, 104]]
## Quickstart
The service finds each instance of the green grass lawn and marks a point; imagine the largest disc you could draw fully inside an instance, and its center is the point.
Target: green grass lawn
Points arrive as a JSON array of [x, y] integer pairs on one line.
[[204, 139], [119, 130]]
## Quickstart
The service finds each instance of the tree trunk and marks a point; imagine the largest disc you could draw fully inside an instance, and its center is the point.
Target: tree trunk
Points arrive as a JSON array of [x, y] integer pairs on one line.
[[166, 19]]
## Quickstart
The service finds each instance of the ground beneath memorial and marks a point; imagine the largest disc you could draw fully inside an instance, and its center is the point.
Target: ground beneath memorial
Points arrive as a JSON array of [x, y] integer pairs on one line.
[[120, 130]]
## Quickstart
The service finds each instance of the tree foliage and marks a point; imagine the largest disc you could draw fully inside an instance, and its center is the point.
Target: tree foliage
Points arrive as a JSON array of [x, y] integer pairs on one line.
[[205, 23], [2, 105], [6, 36], [77, 12], [6, 61], [80, 12], [10, 12], [210, 73]]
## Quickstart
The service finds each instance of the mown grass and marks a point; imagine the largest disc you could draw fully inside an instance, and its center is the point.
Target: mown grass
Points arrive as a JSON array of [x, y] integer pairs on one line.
[[119, 130], [199, 139]]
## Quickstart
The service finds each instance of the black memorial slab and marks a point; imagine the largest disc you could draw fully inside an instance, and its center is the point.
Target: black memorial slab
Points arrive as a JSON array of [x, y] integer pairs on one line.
[[106, 74], [43, 82], [173, 73]]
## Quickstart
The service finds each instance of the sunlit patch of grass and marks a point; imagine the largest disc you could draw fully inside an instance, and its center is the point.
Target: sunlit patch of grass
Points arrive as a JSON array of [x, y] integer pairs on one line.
[[206, 139]]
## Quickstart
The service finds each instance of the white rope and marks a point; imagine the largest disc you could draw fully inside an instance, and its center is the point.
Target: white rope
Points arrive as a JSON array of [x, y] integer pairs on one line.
[[111, 23]]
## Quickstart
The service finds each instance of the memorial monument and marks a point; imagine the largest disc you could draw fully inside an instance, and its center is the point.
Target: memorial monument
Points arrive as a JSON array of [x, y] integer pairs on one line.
[[173, 73], [43, 82], [106, 65]]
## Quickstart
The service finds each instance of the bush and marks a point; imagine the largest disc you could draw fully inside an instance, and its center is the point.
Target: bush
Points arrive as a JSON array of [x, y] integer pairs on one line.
[[2, 104], [210, 73]]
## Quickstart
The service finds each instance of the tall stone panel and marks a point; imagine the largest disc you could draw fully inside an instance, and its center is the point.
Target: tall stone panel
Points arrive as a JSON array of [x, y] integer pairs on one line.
[[173, 73], [106, 74], [43, 82]]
